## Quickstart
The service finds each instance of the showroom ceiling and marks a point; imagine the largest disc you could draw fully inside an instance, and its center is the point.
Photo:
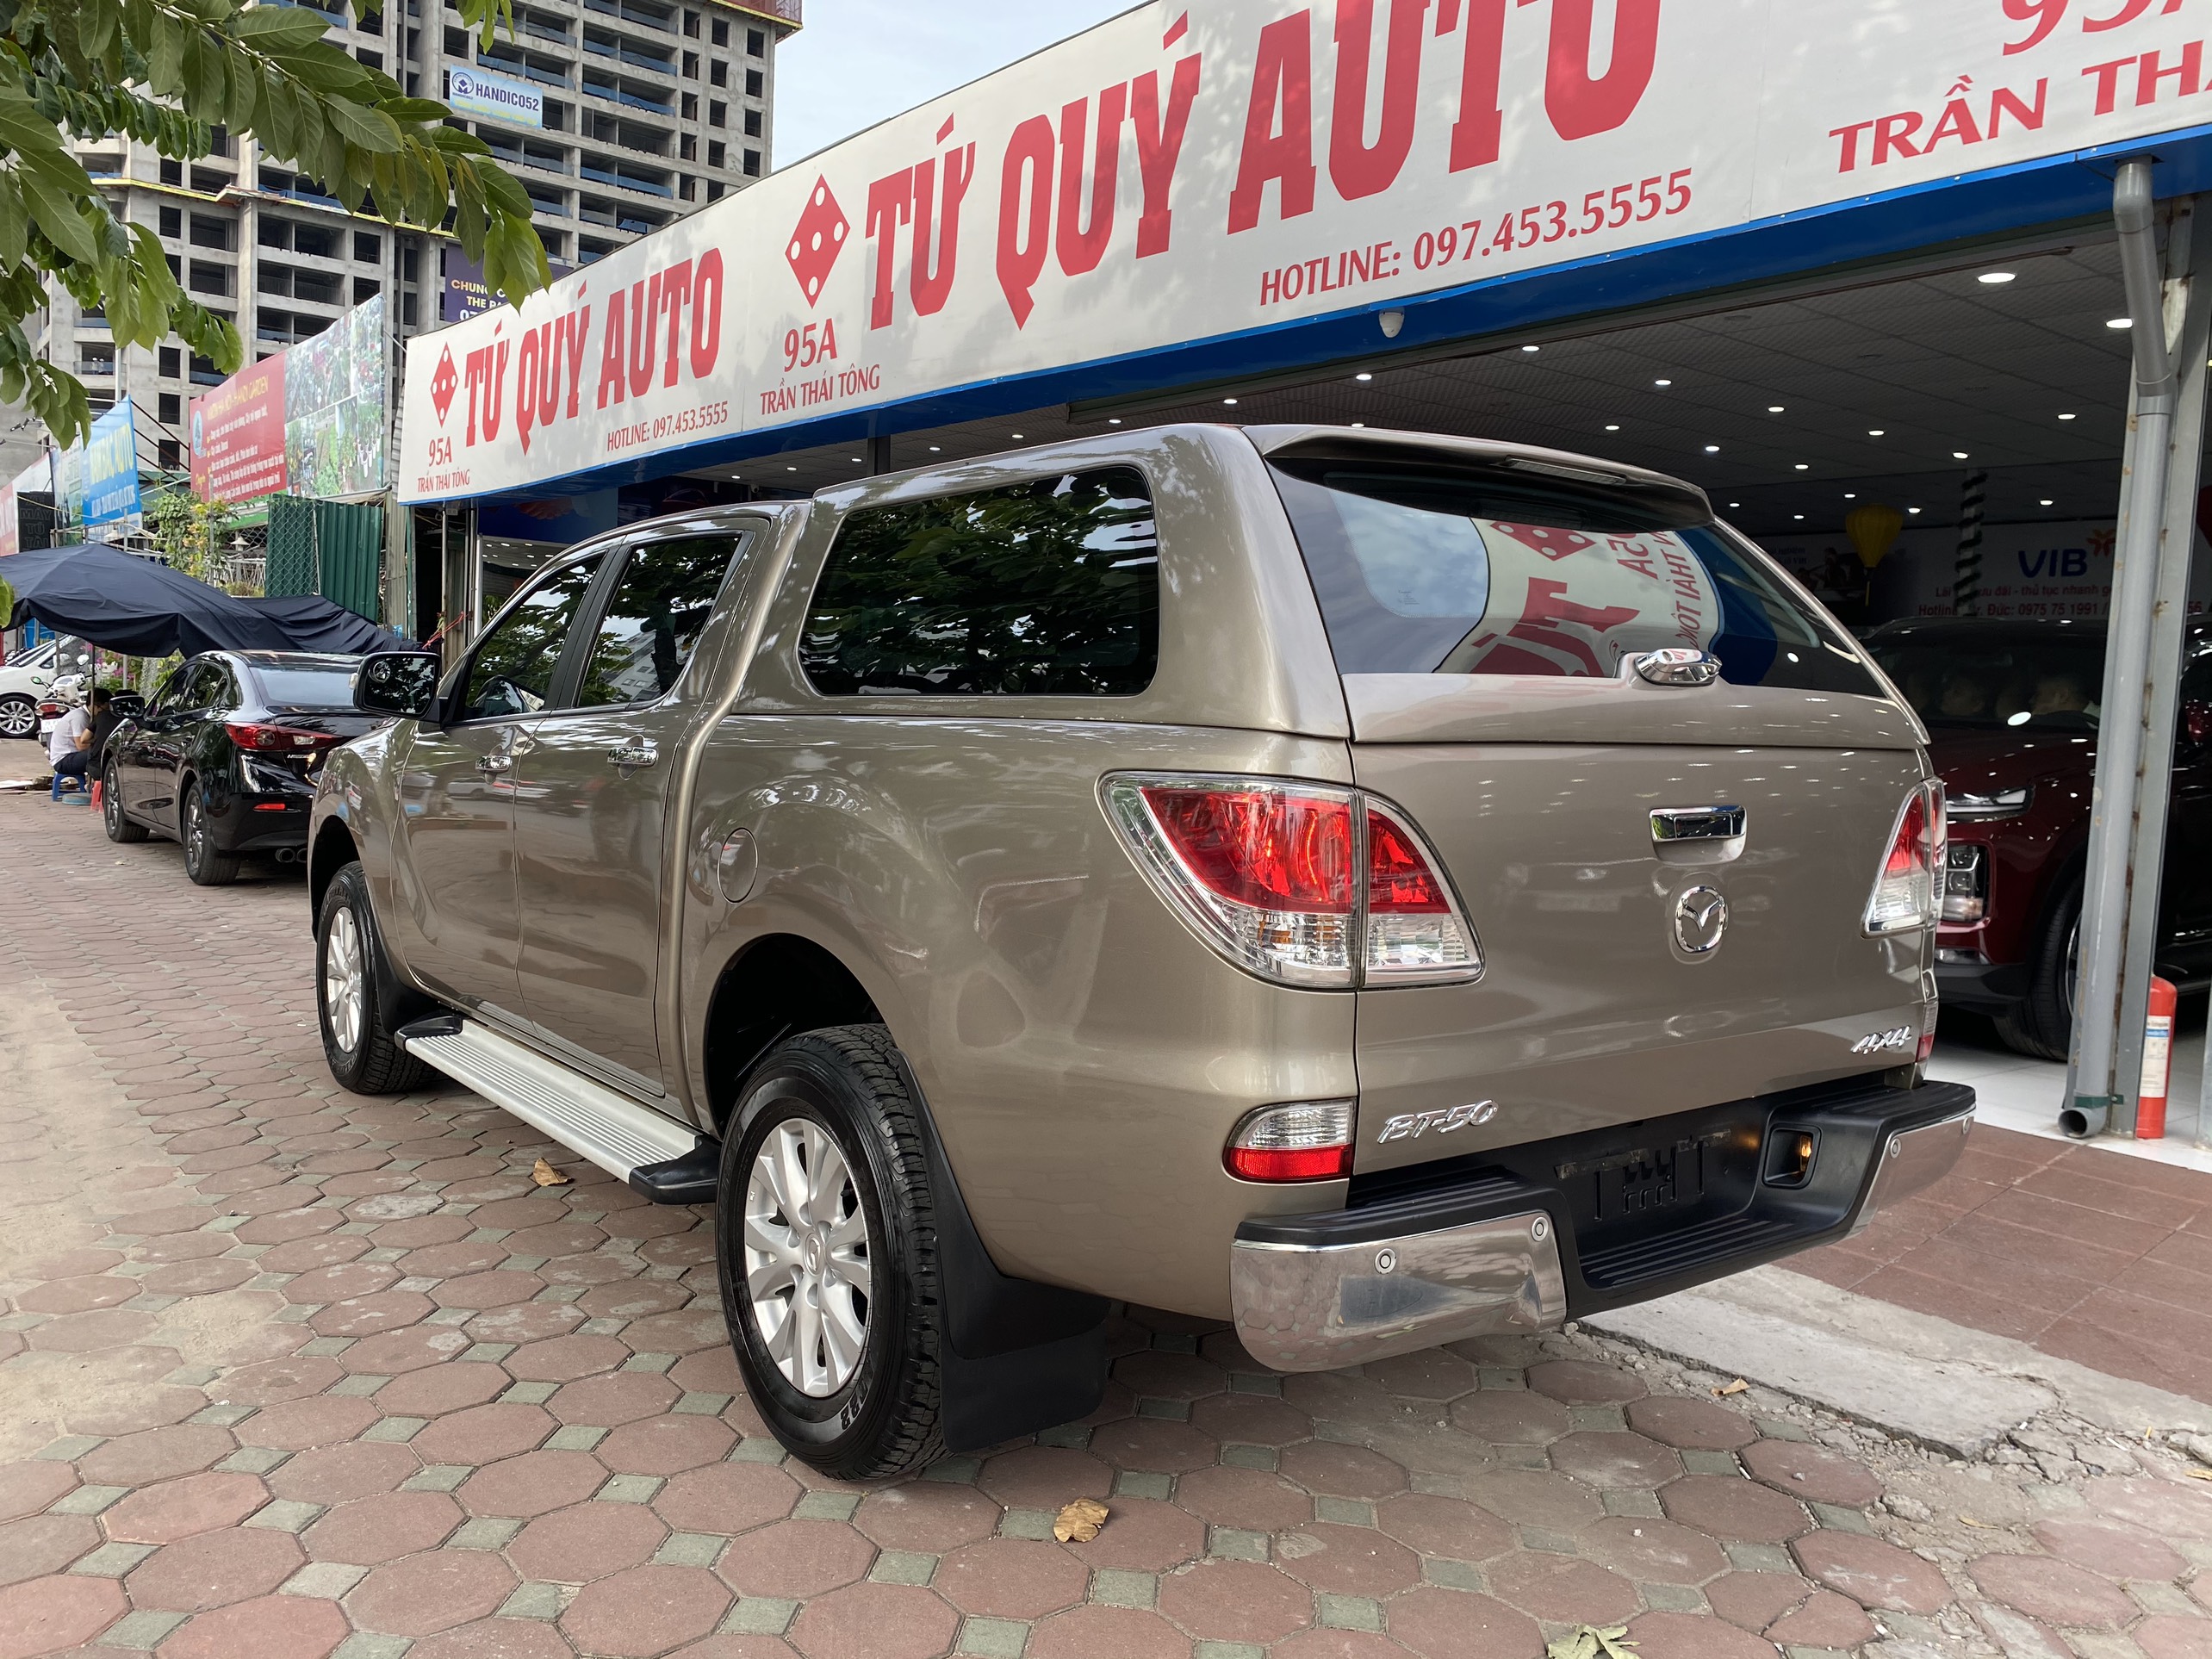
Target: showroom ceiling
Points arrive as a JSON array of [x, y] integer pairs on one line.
[[1789, 410]]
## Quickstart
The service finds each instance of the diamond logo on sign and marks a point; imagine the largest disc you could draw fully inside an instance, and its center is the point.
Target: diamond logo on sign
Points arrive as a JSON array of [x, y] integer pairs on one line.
[[817, 240], [443, 384]]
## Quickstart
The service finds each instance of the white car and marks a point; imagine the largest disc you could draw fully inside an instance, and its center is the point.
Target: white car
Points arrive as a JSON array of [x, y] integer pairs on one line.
[[23, 681]]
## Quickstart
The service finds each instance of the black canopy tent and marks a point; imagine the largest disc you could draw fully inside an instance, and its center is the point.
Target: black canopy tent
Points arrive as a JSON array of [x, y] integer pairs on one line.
[[121, 602]]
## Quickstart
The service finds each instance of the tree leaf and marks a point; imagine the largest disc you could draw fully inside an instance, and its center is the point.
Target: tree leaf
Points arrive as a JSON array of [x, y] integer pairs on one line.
[[57, 215], [275, 27], [15, 225], [366, 129]]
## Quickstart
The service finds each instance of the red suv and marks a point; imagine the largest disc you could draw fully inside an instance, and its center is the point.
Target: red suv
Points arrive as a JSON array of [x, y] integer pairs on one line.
[[2011, 711]]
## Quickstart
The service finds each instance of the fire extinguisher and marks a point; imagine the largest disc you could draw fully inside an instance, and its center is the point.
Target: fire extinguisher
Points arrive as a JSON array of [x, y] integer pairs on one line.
[[2158, 1054]]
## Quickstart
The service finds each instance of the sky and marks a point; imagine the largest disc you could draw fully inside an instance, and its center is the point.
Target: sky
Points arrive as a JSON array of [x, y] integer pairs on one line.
[[857, 62]]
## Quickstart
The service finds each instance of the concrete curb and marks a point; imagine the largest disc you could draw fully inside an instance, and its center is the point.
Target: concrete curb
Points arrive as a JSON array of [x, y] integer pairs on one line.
[[1944, 1386]]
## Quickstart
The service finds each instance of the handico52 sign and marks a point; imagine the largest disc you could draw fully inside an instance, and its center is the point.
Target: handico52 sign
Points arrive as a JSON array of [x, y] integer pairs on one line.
[[1202, 169]]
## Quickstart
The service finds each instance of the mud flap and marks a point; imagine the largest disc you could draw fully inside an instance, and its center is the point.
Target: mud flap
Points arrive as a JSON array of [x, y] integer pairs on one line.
[[1018, 1356]]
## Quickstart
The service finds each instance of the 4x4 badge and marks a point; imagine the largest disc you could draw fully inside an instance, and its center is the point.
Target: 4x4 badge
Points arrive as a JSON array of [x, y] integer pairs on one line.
[[1701, 919]]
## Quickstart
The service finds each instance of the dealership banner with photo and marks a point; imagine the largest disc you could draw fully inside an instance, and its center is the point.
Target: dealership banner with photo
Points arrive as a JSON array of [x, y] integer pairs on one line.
[[2027, 571], [95, 483], [1204, 169], [309, 421]]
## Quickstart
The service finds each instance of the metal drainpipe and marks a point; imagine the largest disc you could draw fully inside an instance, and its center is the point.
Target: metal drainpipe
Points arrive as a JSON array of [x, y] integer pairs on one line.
[[2119, 726]]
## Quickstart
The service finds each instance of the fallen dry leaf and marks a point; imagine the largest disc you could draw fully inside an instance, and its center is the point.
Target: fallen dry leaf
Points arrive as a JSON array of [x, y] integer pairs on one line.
[[1987, 1526], [546, 1176], [2199, 1474], [1739, 1385], [1079, 1522]]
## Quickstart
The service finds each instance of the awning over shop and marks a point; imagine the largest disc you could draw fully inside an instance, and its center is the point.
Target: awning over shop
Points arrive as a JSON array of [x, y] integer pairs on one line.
[[121, 602]]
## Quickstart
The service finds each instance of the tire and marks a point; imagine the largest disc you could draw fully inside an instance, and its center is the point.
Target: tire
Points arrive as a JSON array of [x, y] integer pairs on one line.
[[873, 1411], [208, 865], [19, 718], [118, 826], [2043, 1024], [357, 1031]]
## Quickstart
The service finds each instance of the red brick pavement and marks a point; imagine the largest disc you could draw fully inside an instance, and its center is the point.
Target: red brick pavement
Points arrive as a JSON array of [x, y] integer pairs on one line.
[[287, 1373], [2088, 1255]]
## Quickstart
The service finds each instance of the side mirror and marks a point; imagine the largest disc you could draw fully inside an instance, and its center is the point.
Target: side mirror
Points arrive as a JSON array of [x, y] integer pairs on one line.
[[396, 683]]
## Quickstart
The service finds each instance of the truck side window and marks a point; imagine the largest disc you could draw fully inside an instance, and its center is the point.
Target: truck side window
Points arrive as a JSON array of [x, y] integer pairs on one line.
[[1045, 588], [514, 667], [659, 607]]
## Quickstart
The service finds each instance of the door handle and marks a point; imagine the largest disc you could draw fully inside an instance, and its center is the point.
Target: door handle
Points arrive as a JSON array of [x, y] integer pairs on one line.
[[491, 763], [626, 755]]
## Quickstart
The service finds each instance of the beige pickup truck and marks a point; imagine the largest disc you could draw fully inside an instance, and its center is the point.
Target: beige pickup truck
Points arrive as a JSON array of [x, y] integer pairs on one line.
[[1377, 888]]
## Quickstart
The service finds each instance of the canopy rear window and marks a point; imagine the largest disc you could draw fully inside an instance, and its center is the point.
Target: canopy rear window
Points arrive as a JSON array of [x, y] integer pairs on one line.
[[1434, 568]]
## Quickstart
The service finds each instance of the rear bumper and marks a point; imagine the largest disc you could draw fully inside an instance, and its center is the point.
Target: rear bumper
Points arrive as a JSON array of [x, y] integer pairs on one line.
[[1544, 1233]]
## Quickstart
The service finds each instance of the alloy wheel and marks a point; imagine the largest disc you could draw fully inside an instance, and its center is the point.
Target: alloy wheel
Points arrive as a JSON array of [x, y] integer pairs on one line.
[[111, 805], [806, 1257], [195, 834], [19, 718], [345, 981]]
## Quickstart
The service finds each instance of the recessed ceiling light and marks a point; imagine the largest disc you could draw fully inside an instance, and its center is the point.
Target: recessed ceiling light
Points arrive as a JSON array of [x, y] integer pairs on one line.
[[1017, 438], [934, 450], [1614, 428], [2120, 322], [1712, 449], [1797, 515], [1231, 401], [1531, 348], [1662, 383], [1362, 377], [2066, 417], [858, 461], [1994, 277], [1735, 504], [1876, 432], [1113, 420], [790, 469], [1774, 409], [1850, 494], [2048, 502], [1359, 422], [1958, 455], [1912, 509], [1803, 466]]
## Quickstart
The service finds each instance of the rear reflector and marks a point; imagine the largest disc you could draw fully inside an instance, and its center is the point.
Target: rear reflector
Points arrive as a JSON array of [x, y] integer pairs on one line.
[[1310, 1141], [1908, 889], [1303, 884]]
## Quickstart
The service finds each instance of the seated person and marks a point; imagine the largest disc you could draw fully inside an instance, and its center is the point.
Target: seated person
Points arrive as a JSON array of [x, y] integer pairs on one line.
[[2060, 693], [1965, 696], [66, 737]]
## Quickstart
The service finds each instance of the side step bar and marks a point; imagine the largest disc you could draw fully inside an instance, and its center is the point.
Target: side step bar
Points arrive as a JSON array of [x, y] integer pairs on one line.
[[623, 1138]]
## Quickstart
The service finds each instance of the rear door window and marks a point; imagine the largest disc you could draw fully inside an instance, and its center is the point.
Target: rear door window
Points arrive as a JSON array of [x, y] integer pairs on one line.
[[1045, 588], [654, 618], [1428, 569]]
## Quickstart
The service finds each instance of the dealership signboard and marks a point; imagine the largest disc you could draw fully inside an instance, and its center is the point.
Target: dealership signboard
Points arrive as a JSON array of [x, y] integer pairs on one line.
[[1214, 170], [473, 92], [95, 483], [309, 421]]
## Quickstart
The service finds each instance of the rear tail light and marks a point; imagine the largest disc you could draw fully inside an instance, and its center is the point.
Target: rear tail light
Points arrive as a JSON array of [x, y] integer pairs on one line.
[[1308, 1141], [1301, 884], [1907, 891], [278, 740]]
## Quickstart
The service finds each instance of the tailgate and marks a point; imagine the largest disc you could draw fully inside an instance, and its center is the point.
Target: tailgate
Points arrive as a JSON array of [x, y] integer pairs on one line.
[[1591, 1011]]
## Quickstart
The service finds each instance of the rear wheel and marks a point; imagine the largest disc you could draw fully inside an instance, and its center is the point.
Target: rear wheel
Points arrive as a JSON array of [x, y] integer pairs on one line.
[[2043, 1024], [208, 865], [118, 826], [19, 717], [356, 1033], [828, 1256]]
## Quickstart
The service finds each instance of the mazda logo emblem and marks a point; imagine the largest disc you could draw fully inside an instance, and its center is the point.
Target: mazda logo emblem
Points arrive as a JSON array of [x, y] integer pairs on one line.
[[1701, 919]]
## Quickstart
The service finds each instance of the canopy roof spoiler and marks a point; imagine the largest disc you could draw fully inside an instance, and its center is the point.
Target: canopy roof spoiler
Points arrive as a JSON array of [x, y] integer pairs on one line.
[[1656, 492]]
